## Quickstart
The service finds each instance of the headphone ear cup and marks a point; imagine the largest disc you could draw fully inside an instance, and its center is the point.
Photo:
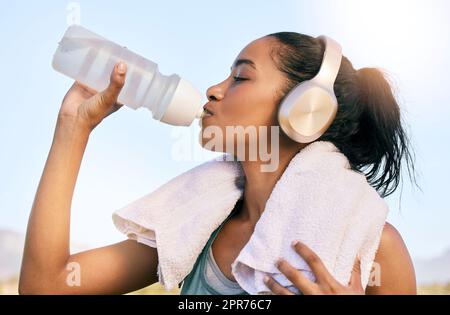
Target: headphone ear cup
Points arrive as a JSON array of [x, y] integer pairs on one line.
[[307, 112]]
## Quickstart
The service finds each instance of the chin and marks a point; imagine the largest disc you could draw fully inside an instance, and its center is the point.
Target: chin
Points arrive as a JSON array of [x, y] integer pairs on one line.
[[209, 140], [203, 141]]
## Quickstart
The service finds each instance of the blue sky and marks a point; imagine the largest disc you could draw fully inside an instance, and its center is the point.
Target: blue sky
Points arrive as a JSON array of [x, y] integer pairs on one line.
[[130, 154]]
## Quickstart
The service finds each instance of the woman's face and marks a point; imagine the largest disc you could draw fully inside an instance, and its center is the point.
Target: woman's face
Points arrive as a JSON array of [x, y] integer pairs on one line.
[[248, 97]]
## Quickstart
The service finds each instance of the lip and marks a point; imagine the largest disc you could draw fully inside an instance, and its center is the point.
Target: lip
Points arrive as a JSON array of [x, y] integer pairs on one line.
[[208, 108], [204, 118]]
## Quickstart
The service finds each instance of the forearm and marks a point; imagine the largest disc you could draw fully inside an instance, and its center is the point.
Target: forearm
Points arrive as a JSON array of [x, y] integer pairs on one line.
[[47, 245]]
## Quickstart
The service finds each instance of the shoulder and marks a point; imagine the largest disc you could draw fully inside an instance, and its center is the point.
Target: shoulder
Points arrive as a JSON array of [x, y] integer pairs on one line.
[[394, 265], [390, 239]]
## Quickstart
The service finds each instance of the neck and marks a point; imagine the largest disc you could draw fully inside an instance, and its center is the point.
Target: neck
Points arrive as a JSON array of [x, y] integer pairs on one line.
[[259, 185]]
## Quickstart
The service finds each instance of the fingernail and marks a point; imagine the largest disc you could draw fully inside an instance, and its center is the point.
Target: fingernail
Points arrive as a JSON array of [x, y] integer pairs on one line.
[[266, 279], [295, 242], [122, 68], [278, 262]]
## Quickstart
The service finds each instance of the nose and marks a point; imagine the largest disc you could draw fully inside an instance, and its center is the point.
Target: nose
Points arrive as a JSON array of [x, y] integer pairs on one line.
[[214, 93]]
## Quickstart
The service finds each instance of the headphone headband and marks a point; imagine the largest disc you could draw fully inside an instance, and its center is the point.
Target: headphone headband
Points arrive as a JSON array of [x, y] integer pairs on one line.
[[331, 63]]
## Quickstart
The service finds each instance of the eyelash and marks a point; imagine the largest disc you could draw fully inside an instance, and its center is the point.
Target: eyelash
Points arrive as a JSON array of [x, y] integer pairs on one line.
[[238, 79]]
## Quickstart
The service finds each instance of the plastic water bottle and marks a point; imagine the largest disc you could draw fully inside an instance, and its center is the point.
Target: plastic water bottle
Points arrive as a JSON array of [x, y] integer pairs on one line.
[[89, 58]]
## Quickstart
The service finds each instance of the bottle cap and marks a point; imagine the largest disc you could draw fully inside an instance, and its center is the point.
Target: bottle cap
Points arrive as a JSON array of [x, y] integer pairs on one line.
[[185, 105]]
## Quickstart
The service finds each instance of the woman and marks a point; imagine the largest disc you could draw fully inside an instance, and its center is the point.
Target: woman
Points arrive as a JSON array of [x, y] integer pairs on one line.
[[367, 129]]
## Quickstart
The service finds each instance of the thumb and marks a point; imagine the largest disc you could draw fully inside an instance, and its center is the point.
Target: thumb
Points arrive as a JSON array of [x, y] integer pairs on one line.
[[116, 82]]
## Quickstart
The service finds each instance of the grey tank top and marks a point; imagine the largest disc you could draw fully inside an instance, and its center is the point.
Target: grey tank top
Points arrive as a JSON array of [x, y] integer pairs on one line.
[[206, 278]]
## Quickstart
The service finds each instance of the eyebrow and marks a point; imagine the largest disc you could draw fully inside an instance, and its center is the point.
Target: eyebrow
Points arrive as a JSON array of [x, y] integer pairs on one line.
[[243, 61]]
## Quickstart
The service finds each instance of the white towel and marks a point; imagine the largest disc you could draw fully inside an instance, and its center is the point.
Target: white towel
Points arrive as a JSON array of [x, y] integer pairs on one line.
[[318, 200]]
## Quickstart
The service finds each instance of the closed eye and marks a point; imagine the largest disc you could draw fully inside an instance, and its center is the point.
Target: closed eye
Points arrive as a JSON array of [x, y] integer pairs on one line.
[[239, 79]]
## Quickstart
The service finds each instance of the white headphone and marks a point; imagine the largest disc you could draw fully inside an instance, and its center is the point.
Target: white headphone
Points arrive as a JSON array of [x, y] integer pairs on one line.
[[310, 107]]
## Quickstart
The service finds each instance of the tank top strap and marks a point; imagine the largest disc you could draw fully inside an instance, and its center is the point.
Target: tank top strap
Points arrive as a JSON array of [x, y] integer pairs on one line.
[[195, 282]]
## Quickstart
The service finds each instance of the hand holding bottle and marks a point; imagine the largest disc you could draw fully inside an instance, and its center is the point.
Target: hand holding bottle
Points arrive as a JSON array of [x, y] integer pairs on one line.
[[89, 107]]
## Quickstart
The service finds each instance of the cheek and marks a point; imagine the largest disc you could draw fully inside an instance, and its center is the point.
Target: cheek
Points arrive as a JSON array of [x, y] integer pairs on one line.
[[250, 105]]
